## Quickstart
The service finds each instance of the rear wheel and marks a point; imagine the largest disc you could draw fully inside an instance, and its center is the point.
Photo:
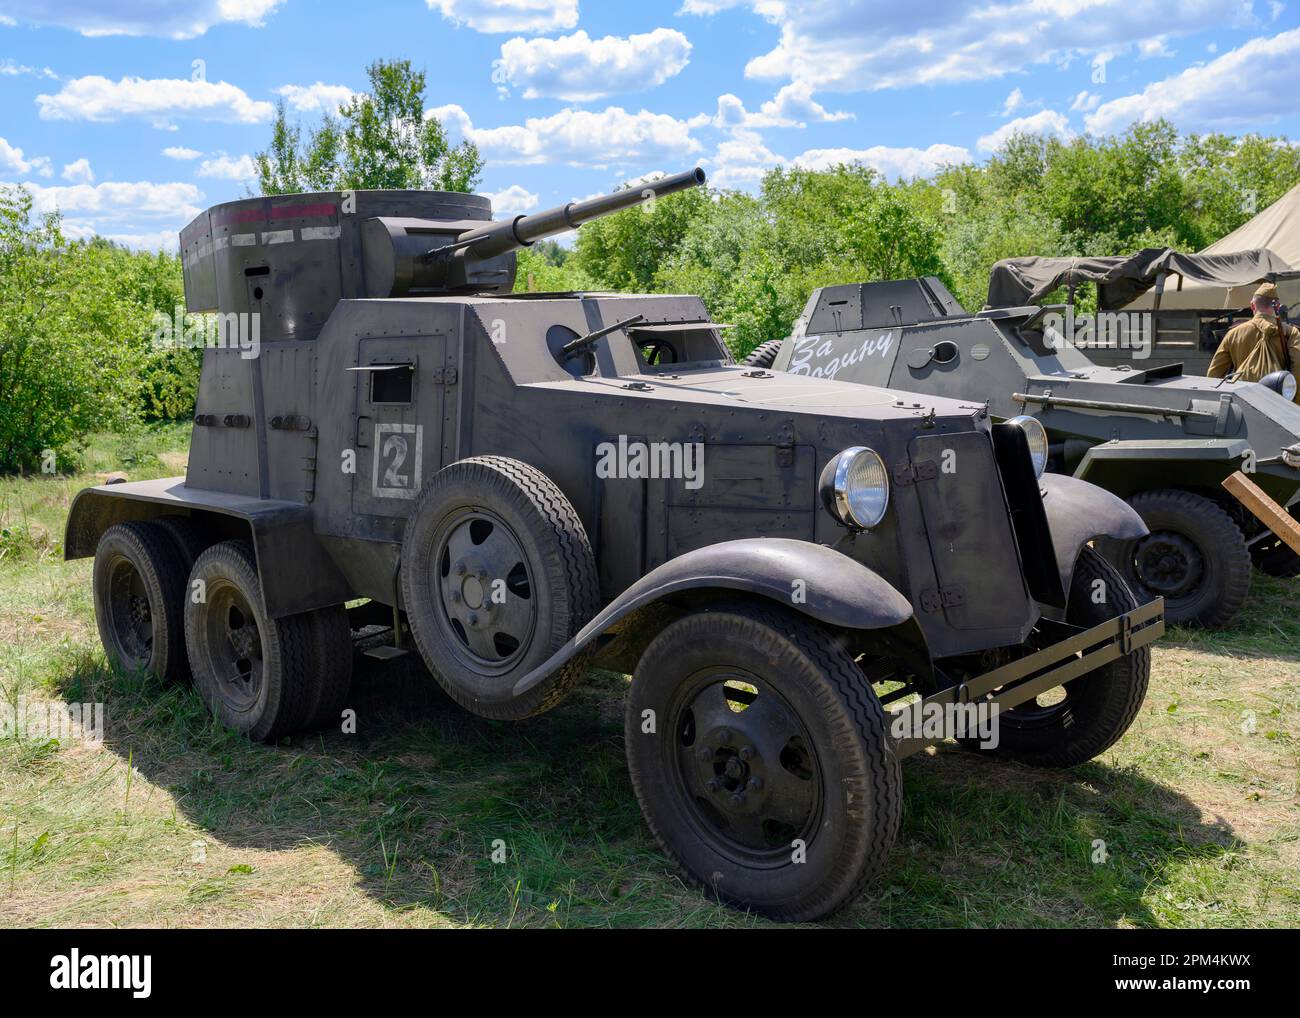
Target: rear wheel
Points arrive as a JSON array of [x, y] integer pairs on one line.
[[759, 756], [1195, 557], [763, 355], [258, 675], [139, 593], [1085, 717]]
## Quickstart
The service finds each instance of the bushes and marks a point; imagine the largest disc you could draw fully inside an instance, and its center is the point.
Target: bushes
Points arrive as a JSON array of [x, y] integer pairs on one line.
[[75, 329]]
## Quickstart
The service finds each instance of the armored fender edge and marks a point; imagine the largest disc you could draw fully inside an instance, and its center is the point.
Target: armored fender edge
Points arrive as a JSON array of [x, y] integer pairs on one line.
[[837, 590], [1079, 512]]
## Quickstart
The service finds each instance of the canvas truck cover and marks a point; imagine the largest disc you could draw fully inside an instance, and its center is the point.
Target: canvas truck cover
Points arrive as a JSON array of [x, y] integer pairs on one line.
[[1120, 279]]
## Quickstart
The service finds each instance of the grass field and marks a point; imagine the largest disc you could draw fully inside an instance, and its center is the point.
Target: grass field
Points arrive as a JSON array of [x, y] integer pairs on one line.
[[172, 821]]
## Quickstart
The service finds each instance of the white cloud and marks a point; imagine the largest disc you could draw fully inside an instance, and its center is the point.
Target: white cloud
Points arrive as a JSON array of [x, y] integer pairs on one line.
[[894, 163], [848, 45], [119, 199], [579, 68], [10, 69], [509, 15], [590, 138], [1044, 122], [181, 152], [309, 98], [1228, 93], [224, 167], [154, 240], [157, 99], [793, 106], [513, 200], [741, 161], [79, 172], [176, 19], [1085, 102], [1013, 102], [13, 160]]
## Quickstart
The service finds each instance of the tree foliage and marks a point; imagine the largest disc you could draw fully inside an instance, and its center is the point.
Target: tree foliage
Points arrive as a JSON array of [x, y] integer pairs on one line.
[[380, 139], [75, 329], [755, 259]]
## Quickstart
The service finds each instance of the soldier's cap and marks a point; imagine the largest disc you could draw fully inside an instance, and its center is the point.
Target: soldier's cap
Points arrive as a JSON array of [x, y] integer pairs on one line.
[[1266, 291]]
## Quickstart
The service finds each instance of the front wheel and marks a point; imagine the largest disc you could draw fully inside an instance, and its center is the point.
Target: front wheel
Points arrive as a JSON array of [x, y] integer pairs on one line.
[[1073, 723], [758, 753], [1195, 557]]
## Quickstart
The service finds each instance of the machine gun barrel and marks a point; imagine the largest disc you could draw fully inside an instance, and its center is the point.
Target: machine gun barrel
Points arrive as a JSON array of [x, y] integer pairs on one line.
[[512, 234]]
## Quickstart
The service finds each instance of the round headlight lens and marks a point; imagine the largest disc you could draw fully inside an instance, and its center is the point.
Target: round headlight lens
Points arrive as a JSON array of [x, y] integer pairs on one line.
[[855, 487], [1281, 382], [1037, 436]]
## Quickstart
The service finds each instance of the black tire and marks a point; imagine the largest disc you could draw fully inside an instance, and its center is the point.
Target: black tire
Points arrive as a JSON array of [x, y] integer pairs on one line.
[[190, 539], [1195, 558], [1097, 708], [1274, 557], [139, 594], [827, 772], [512, 533], [332, 649], [763, 355], [257, 675]]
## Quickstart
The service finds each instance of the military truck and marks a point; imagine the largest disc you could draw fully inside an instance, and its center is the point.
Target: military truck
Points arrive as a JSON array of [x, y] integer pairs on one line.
[[1190, 300], [522, 486], [1162, 440]]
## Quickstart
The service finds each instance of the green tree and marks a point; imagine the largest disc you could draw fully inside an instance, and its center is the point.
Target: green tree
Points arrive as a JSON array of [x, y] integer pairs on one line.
[[380, 139], [72, 343]]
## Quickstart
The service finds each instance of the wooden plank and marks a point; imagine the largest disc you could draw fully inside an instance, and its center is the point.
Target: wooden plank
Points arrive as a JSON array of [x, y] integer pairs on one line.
[[1265, 509]]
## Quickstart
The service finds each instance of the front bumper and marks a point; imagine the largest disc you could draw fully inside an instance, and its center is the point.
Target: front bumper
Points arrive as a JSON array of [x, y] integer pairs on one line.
[[1014, 683]]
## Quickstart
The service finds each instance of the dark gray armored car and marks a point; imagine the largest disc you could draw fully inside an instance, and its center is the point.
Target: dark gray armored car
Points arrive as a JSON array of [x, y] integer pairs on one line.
[[1163, 440], [526, 485]]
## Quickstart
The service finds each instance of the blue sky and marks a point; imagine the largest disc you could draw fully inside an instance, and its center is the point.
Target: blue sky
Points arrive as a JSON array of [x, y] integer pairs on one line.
[[132, 117]]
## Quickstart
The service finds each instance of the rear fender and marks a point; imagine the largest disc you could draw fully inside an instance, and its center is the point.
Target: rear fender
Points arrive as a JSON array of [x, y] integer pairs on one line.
[[296, 573], [811, 579]]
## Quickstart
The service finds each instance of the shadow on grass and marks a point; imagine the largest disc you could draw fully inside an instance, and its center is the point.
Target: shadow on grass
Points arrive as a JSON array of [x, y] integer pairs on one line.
[[420, 797]]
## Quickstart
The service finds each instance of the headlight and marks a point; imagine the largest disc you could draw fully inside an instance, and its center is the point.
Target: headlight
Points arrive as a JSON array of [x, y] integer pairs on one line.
[[1281, 382], [1037, 436], [855, 488]]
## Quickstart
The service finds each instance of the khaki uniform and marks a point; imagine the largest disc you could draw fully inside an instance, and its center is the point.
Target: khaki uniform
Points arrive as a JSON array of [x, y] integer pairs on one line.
[[1257, 348]]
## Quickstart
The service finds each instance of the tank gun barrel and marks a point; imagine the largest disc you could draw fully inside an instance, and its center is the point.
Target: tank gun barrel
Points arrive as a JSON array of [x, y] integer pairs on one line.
[[522, 231]]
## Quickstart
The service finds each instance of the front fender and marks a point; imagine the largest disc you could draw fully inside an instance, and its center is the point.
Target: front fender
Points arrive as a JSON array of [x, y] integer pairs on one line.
[[838, 590], [1079, 512]]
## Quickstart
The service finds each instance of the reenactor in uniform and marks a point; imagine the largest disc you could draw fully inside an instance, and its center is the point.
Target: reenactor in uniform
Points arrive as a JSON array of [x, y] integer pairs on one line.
[[1257, 348]]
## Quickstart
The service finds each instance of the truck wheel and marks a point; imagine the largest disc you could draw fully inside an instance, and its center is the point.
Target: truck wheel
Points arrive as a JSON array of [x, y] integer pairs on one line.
[[498, 574], [1076, 722], [332, 648], [759, 756], [188, 536], [1195, 558], [763, 355], [258, 675], [1274, 557], [139, 593]]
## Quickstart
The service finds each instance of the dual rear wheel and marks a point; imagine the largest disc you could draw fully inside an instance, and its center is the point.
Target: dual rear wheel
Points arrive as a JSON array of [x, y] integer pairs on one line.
[[168, 605]]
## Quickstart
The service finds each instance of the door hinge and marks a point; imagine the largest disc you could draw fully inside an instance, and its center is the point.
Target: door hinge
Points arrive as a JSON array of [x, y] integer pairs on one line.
[[945, 597], [908, 473], [445, 376]]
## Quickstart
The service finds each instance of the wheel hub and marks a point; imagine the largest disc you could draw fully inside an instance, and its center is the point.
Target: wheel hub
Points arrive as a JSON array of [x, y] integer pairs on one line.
[[487, 591], [747, 763], [1168, 564]]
